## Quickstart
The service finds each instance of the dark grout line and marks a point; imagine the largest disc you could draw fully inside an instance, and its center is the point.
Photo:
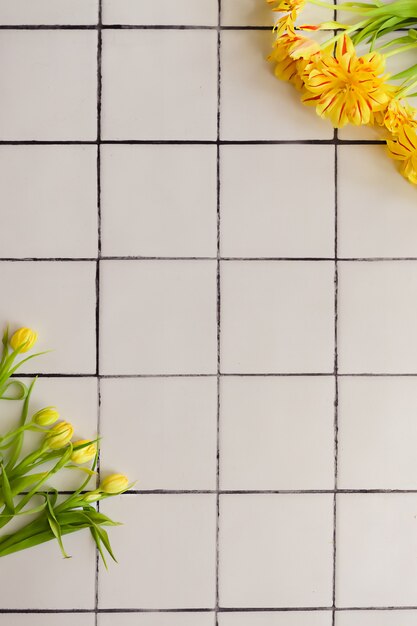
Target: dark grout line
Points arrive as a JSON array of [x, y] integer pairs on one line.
[[218, 310], [99, 94], [194, 142], [226, 259], [221, 609], [213, 375], [132, 27], [336, 381]]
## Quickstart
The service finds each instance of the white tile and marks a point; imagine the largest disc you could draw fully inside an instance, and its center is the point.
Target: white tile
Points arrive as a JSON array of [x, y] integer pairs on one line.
[[256, 221], [172, 441], [246, 13], [377, 329], [76, 401], [277, 317], [26, 588], [48, 11], [287, 618], [49, 81], [165, 324], [57, 299], [45, 619], [166, 552], [276, 550], [366, 206], [146, 214], [256, 105], [377, 431], [285, 429], [158, 619], [49, 200], [376, 546], [376, 618], [257, 13], [179, 101], [178, 12]]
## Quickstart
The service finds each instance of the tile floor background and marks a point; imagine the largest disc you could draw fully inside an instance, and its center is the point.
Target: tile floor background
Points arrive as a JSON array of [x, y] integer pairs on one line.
[[230, 291]]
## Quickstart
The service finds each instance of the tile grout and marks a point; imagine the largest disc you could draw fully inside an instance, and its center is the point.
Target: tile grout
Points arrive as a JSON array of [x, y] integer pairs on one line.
[[193, 142], [99, 104], [336, 381], [218, 311]]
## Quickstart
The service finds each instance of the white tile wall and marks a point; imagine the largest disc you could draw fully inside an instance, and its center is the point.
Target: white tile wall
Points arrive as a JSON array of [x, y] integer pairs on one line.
[[239, 291]]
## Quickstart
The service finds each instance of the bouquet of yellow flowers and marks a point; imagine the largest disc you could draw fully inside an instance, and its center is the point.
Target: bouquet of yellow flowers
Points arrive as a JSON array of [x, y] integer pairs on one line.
[[351, 88], [25, 487]]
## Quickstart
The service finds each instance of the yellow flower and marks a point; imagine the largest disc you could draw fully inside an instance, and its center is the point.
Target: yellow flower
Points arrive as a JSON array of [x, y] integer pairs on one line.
[[403, 148], [59, 435], [115, 483], [285, 24], [285, 49], [23, 339], [396, 115], [346, 88], [285, 6], [83, 455], [45, 417]]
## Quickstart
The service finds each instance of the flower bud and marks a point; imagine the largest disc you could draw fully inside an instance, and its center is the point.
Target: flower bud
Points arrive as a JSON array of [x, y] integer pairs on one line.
[[83, 455], [24, 338], [115, 483], [92, 496], [45, 417], [59, 435]]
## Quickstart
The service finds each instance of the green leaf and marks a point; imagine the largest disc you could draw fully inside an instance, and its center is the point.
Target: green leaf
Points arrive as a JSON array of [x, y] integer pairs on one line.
[[411, 71], [21, 395], [7, 492], [17, 445], [55, 527], [96, 538]]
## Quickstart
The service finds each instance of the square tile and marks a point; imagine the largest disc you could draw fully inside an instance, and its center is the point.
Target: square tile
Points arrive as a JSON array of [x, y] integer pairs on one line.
[[27, 589], [45, 619], [49, 200], [376, 618], [179, 101], [254, 104], [166, 552], [287, 618], [158, 619], [277, 316], [173, 439], [57, 299], [49, 80], [144, 214], [246, 13], [377, 329], [282, 225], [178, 12], [377, 430], [276, 550], [285, 429], [158, 317], [372, 223], [376, 546], [76, 400], [48, 12]]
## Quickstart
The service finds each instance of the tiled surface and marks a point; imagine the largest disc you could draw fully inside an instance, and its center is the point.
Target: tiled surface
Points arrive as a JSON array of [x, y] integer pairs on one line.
[[244, 312]]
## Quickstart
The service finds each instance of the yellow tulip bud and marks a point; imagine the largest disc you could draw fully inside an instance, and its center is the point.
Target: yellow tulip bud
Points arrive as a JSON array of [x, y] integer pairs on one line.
[[24, 338], [83, 455], [115, 483], [59, 435], [92, 496], [45, 417]]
